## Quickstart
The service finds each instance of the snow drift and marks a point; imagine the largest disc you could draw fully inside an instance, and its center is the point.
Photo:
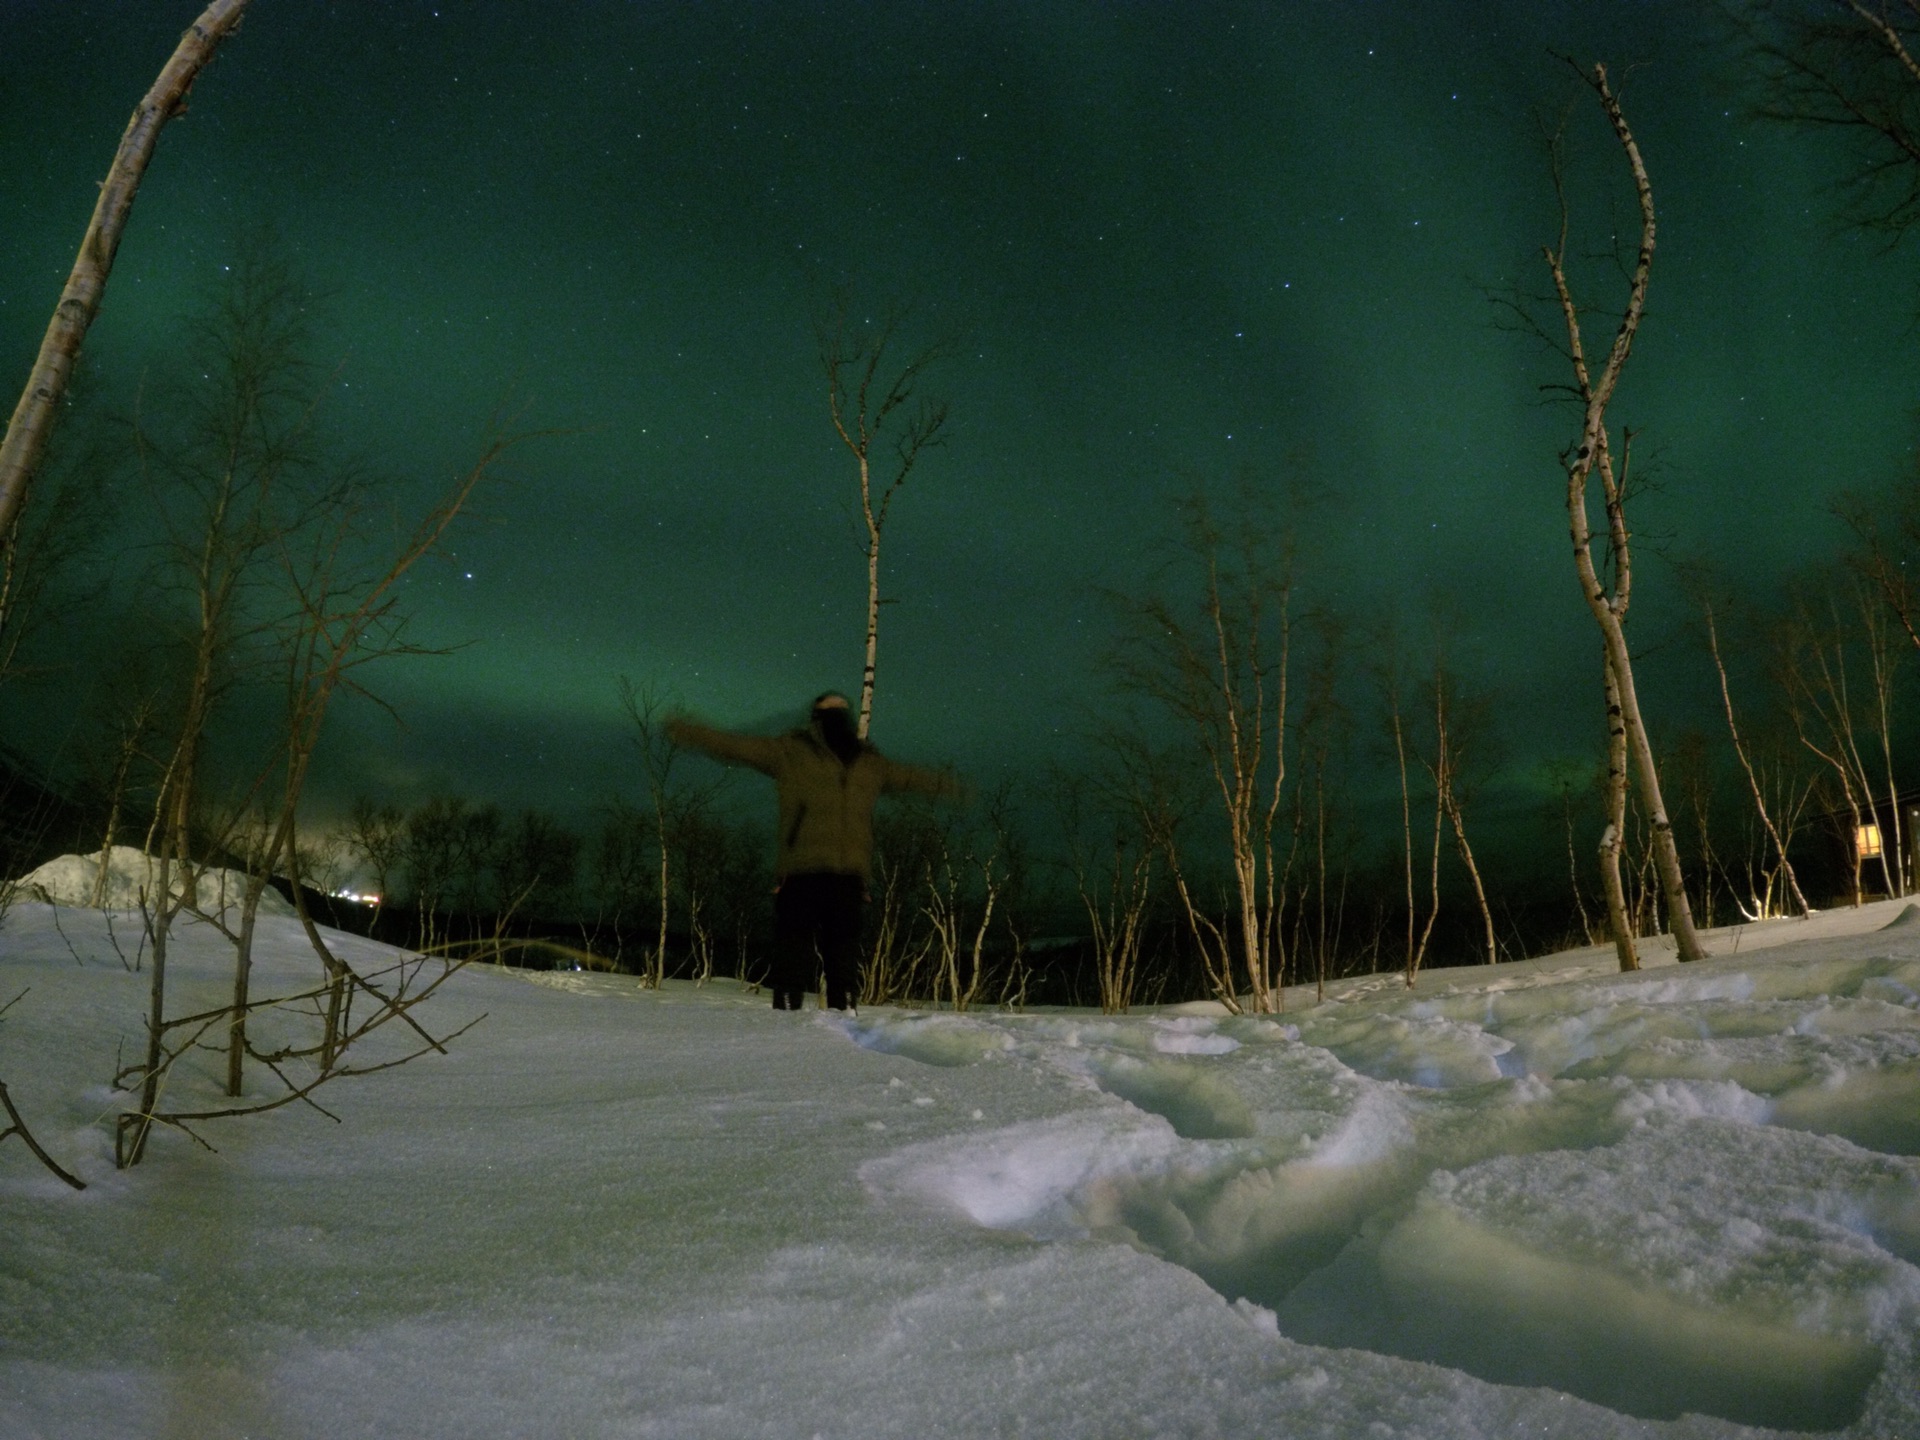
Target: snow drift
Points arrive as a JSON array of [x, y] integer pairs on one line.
[[1535, 1199]]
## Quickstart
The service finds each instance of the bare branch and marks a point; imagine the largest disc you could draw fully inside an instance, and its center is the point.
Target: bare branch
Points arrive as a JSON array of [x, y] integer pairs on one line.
[[19, 1127], [863, 396]]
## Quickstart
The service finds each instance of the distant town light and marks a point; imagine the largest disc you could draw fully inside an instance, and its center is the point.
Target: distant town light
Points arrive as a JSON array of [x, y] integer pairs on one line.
[[360, 899], [1866, 841]]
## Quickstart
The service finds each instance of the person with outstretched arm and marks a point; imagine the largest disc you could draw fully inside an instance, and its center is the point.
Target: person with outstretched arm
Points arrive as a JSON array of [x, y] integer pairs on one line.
[[827, 779]]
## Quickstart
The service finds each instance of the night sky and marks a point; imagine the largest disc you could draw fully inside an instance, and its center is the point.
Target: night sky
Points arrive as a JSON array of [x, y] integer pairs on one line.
[[1181, 241]]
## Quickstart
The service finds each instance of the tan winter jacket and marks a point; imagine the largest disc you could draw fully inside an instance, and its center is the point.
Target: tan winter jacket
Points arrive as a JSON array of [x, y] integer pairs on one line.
[[826, 808]]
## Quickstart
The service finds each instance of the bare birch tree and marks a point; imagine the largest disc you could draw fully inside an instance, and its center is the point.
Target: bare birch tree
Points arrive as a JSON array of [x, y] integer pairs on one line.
[[539, 862], [1743, 752], [679, 813], [1569, 778], [1216, 663], [270, 540], [127, 729], [1391, 683], [1320, 844], [348, 618], [1822, 644], [1111, 841], [1787, 784], [1886, 529], [375, 836], [909, 839], [963, 891], [1885, 656], [234, 476], [445, 853], [648, 713], [342, 624], [1692, 781], [1590, 458], [1852, 68], [1455, 722], [888, 426]]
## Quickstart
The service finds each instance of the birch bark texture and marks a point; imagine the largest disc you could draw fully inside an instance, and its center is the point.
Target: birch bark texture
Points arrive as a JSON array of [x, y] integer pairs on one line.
[[1591, 457], [32, 421]]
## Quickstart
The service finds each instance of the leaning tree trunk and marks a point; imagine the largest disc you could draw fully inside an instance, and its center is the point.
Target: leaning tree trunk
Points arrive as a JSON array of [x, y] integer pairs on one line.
[[32, 421], [1582, 463], [1614, 838], [1458, 821], [1666, 855]]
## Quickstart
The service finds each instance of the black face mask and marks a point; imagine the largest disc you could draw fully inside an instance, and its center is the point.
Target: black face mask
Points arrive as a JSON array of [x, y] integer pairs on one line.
[[835, 724]]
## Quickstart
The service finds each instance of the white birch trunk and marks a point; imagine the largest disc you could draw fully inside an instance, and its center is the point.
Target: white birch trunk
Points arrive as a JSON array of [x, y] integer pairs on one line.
[[1607, 610], [32, 421]]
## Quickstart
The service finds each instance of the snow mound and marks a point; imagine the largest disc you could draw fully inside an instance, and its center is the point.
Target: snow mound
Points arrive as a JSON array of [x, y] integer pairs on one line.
[[1655, 1277], [1457, 1293], [1908, 917], [1686, 1193], [70, 879]]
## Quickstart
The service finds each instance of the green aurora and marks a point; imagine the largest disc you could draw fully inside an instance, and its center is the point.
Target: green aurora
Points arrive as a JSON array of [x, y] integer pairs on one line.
[[1179, 242]]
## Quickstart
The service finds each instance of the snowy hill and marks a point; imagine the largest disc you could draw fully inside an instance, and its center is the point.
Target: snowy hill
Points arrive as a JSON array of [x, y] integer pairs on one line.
[[1537, 1199], [131, 874]]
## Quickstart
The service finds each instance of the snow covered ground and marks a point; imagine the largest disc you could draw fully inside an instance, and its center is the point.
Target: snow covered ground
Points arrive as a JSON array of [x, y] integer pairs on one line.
[[1538, 1199]]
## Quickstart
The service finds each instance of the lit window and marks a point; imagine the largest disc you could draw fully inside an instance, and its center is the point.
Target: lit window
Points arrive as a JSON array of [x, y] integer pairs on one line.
[[1866, 841]]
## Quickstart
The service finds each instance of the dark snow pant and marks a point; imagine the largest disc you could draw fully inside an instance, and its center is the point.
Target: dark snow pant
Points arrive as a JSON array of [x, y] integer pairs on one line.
[[816, 922]]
